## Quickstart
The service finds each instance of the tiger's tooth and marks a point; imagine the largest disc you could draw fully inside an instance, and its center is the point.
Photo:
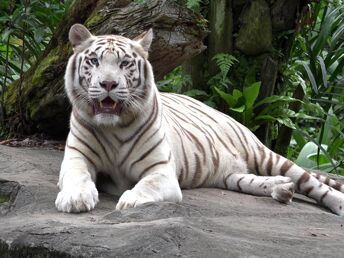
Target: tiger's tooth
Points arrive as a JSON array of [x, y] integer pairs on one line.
[[114, 105], [100, 104]]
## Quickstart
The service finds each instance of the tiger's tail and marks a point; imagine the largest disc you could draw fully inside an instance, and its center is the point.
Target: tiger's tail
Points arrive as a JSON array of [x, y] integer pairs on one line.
[[326, 191]]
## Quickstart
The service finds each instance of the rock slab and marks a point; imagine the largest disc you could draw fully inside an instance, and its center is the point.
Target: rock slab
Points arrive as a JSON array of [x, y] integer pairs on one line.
[[208, 223]]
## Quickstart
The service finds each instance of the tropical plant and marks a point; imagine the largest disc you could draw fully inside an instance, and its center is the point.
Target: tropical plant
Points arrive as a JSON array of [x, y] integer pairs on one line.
[[176, 81], [242, 106], [318, 53], [26, 27], [329, 155]]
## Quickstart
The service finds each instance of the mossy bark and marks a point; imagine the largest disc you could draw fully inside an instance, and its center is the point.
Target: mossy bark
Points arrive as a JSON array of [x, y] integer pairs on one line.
[[178, 37]]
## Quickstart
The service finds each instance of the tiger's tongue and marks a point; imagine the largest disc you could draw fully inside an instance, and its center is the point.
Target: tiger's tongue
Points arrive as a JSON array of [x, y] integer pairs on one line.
[[107, 103], [107, 106]]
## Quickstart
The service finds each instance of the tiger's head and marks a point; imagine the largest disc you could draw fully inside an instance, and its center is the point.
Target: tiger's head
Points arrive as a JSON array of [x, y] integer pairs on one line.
[[108, 77]]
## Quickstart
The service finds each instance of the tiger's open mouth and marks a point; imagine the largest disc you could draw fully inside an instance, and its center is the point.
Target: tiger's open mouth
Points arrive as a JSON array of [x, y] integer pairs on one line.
[[107, 106]]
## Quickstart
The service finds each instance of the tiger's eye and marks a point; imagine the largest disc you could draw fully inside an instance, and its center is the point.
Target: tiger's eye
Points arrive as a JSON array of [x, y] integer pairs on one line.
[[94, 61], [124, 63]]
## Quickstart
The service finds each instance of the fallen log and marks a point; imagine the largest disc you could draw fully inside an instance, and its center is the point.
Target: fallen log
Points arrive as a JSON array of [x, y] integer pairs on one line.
[[42, 105]]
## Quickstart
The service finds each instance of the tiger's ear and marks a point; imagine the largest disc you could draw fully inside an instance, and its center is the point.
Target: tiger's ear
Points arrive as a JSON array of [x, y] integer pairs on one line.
[[78, 34], [145, 39]]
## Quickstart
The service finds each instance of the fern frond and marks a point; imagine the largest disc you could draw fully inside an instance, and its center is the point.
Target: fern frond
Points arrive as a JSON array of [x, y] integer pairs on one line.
[[193, 4], [224, 62]]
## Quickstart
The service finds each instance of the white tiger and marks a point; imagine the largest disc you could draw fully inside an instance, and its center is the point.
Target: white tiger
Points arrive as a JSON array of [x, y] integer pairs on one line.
[[153, 144]]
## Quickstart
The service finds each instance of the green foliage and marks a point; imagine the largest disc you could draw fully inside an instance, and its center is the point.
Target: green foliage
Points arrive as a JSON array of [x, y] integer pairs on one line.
[[224, 62], [26, 28], [318, 66], [176, 81], [242, 106], [140, 1], [220, 81], [322, 149], [193, 4]]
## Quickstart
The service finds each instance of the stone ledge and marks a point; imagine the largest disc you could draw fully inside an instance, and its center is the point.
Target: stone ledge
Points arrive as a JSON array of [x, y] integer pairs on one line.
[[208, 223]]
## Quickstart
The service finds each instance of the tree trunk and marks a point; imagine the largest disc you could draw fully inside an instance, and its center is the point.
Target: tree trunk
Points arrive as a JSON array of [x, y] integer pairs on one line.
[[268, 76], [220, 40], [178, 37], [221, 28]]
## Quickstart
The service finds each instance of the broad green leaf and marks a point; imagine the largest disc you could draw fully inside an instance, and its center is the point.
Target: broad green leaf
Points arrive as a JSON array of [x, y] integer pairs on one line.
[[265, 117], [274, 98], [336, 145], [230, 100], [311, 78], [323, 71], [196, 93], [251, 93], [305, 116], [237, 94], [323, 159], [302, 160], [286, 121], [331, 121], [239, 109], [327, 167], [338, 70], [337, 38], [300, 140], [210, 103]]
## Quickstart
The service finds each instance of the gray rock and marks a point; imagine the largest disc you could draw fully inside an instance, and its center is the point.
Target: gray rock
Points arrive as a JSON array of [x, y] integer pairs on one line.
[[255, 33], [208, 223], [283, 14]]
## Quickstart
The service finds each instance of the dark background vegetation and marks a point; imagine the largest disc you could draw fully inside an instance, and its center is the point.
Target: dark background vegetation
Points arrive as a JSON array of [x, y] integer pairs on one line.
[[274, 65]]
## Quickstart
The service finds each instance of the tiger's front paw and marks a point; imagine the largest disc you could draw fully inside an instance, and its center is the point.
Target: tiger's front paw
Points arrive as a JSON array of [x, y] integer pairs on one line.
[[77, 198], [130, 199]]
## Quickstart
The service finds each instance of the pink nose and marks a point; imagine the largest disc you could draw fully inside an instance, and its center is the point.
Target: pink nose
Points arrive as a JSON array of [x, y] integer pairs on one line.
[[108, 85]]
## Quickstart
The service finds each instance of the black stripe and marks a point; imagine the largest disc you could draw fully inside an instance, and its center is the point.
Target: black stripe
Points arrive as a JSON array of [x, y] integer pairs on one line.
[[269, 165], [139, 78], [225, 179], [185, 159], [238, 183], [198, 172], [91, 131], [256, 166], [83, 154], [303, 179], [285, 167], [154, 165], [74, 66], [191, 100], [149, 151], [242, 144], [152, 118], [323, 196], [187, 120], [84, 143]]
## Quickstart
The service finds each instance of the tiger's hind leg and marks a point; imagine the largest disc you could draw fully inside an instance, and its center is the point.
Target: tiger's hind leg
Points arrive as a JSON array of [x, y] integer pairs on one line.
[[279, 188]]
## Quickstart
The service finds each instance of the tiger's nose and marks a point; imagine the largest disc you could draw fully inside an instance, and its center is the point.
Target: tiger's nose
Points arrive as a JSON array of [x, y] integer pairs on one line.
[[108, 85]]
